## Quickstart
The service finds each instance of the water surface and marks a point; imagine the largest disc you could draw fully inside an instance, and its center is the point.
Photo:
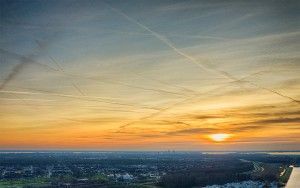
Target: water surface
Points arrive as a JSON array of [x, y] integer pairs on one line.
[[294, 180]]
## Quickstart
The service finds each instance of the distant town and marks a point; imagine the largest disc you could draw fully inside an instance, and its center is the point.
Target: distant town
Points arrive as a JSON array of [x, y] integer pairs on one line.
[[145, 169]]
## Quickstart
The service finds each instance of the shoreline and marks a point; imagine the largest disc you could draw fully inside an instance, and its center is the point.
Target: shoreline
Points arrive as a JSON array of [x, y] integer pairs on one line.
[[284, 178], [294, 182]]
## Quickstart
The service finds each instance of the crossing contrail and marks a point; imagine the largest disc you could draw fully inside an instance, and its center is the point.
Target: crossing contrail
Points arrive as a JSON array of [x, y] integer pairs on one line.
[[15, 71], [60, 68], [195, 96], [171, 106], [166, 83], [24, 62], [105, 80], [161, 38], [27, 60], [63, 72], [192, 59], [85, 98]]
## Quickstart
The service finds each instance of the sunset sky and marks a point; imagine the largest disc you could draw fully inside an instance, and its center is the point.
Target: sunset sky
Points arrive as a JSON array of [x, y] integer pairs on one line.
[[150, 75]]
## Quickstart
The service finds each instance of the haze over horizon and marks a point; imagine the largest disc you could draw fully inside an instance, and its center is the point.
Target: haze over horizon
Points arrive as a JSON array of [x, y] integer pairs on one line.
[[150, 75]]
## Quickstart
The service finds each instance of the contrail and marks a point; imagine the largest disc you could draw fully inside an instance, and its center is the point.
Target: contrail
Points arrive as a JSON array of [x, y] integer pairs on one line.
[[127, 85], [28, 60], [60, 68], [63, 72], [171, 106], [17, 99], [161, 38], [25, 25], [190, 58], [166, 83], [31, 61], [195, 96], [13, 74], [273, 91], [116, 82], [167, 35], [105, 80], [25, 61], [85, 98]]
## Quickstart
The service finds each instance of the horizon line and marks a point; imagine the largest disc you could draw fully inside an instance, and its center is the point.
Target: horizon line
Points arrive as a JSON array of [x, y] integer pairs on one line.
[[167, 150]]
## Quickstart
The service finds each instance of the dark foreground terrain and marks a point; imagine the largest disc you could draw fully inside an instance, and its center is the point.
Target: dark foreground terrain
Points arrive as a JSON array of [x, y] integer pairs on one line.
[[143, 169]]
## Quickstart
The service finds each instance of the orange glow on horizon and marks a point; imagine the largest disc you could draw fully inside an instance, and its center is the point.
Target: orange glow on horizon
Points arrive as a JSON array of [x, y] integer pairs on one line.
[[220, 137]]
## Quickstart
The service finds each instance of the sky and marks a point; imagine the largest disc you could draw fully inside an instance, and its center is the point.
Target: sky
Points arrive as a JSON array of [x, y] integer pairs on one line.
[[150, 75]]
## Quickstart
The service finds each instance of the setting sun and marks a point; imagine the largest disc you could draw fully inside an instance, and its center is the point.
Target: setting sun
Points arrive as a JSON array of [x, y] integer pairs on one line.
[[219, 137]]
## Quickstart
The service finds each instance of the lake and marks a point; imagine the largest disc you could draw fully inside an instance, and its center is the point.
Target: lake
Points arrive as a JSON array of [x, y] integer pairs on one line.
[[284, 153], [294, 180]]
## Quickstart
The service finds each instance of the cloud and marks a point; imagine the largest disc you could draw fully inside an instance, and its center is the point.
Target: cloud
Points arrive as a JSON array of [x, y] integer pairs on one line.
[[242, 128], [278, 120], [190, 131], [204, 117]]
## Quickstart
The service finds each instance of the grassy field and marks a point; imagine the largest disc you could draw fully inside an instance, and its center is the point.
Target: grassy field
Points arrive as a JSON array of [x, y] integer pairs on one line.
[[32, 182], [285, 177]]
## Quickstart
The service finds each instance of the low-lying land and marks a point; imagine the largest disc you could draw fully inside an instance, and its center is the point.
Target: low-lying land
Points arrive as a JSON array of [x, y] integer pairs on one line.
[[142, 169]]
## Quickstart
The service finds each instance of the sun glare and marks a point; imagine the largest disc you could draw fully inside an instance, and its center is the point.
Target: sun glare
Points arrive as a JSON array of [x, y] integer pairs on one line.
[[219, 137]]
